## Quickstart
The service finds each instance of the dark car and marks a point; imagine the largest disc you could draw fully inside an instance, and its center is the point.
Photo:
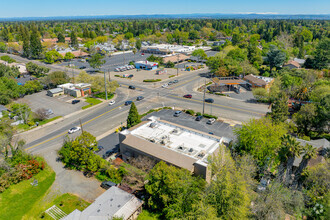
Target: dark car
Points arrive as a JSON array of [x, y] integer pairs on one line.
[[139, 98], [188, 96], [170, 83], [132, 87], [175, 81], [75, 101], [99, 148], [128, 102], [131, 76], [107, 184], [177, 113], [82, 67], [199, 117], [209, 100]]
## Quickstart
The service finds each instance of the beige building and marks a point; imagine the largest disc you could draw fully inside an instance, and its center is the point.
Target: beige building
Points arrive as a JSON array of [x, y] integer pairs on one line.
[[176, 145]]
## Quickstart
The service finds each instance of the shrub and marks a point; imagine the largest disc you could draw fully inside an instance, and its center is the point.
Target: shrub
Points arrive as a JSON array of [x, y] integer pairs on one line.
[[117, 75], [210, 116], [171, 76], [152, 80], [7, 59], [190, 112], [198, 114]]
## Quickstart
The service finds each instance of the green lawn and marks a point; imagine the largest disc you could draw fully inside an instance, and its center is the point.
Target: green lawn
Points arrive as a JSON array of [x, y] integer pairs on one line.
[[101, 95], [91, 101], [66, 202], [26, 127], [146, 215], [18, 199], [49, 120]]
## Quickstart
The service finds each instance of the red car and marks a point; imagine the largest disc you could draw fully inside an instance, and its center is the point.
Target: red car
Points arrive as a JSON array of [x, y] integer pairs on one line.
[[188, 96]]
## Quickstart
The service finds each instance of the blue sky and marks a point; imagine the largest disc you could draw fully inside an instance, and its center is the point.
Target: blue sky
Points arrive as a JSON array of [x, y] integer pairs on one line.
[[46, 8]]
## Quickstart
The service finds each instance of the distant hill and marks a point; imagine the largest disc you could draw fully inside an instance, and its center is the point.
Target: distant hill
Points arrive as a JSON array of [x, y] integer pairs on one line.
[[175, 16]]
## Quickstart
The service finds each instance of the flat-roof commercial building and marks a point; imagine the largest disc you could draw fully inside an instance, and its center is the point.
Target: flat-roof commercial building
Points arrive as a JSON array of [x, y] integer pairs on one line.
[[146, 65], [176, 145], [76, 90], [164, 49], [259, 81]]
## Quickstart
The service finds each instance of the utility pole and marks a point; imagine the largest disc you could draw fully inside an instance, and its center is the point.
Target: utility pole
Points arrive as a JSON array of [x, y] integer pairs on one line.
[[177, 70], [204, 98], [105, 87], [82, 131], [109, 75]]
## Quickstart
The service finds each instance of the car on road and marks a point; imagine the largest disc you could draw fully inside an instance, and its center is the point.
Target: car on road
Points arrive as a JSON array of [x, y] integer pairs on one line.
[[210, 121], [177, 113], [112, 102], [82, 67], [132, 87], [198, 118], [75, 101], [209, 100], [74, 130], [211, 133], [139, 98], [188, 96], [170, 83], [107, 184], [165, 85], [128, 102], [175, 81]]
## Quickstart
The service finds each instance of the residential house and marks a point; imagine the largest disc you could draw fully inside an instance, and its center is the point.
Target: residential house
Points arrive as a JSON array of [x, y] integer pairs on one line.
[[114, 202], [292, 64]]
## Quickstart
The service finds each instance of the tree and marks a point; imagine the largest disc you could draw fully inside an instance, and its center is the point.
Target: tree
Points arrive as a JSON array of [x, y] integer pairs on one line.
[[173, 191], [52, 56], [289, 150], [69, 56], [41, 114], [169, 64], [55, 78], [308, 152], [260, 138], [60, 38], [275, 57], [37, 70], [322, 54], [22, 111], [133, 116], [32, 86], [254, 55], [200, 54], [129, 35], [236, 38], [280, 109], [3, 47], [35, 43], [305, 118], [87, 140], [237, 54], [73, 40], [96, 61], [323, 115], [138, 44], [228, 191]]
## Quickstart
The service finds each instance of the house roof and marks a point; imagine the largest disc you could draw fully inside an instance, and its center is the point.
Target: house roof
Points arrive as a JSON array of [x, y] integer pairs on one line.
[[318, 144], [3, 108], [293, 63], [77, 53], [113, 202]]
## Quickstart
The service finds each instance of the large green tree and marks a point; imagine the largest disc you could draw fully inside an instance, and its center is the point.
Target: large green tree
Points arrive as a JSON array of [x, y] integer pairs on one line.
[[96, 61], [74, 40], [133, 117], [35, 43], [280, 109], [275, 57]]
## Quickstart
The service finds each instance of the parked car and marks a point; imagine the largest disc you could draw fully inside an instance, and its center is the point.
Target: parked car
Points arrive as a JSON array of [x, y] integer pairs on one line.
[[73, 130], [175, 81], [49, 112], [107, 184], [199, 117], [139, 98], [128, 102], [188, 96], [165, 85], [130, 76], [209, 100], [177, 113], [82, 67], [211, 121], [75, 101], [211, 133], [132, 87], [117, 70], [170, 83], [142, 54], [112, 102]]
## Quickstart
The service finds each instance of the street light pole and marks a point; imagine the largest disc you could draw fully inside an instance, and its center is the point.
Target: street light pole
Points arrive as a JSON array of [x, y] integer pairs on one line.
[[204, 98], [105, 87]]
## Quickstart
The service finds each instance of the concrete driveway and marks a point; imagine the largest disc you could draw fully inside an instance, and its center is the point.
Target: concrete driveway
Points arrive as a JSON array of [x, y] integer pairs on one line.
[[60, 105]]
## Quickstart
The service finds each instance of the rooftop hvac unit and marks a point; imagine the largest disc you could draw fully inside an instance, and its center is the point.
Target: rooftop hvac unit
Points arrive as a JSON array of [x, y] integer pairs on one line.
[[153, 124], [152, 140]]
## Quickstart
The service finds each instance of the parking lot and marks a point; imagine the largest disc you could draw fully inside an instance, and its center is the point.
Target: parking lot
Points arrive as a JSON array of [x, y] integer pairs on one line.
[[60, 105], [111, 61]]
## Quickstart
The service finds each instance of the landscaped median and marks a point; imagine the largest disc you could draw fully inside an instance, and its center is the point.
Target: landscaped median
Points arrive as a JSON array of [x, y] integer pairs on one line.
[[91, 101], [152, 80]]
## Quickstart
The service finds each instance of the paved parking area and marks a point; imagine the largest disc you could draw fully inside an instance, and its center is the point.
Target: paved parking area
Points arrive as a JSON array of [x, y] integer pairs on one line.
[[111, 61], [61, 105], [109, 143], [219, 128]]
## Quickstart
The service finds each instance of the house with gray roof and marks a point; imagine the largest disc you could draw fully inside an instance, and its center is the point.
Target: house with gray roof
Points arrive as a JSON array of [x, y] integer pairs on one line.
[[114, 202]]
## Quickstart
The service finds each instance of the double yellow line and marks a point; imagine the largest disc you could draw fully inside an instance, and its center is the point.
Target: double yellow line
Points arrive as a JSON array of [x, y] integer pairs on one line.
[[195, 100], [64, 133], [177, 85]]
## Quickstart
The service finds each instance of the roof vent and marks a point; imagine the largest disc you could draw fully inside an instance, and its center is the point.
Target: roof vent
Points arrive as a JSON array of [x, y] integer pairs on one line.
[[153, 124]]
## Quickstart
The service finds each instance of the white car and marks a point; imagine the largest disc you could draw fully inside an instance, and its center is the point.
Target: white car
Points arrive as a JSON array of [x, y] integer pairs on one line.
[[165, 85], [74, 129], [112, 102], [211, 121]]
